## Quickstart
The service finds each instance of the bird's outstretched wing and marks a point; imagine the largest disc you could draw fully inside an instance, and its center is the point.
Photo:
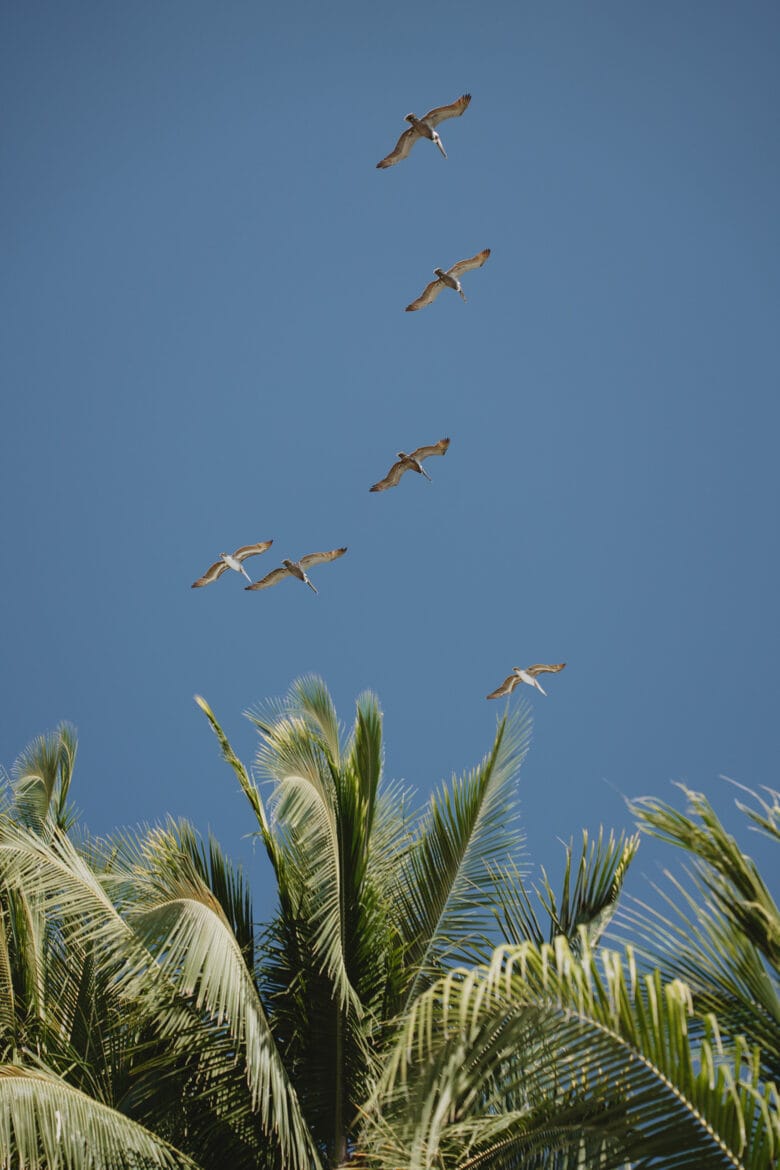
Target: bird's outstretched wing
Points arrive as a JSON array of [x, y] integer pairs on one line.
[[462, 266], [211, 574], [439, 448], [540, 668], [392, 478], [429, 293], [454, 110], [270, 579], [506, 688], [402, 148], [251, 550], [321, 558]]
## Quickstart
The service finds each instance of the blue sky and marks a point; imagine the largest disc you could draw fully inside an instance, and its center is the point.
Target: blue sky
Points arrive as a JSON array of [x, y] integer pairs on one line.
[[205, 346]]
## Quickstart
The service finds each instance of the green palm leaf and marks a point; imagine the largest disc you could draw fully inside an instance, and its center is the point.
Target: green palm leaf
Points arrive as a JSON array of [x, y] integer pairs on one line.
[[449, 878], [44, 1123], [540, 1051], [588, 899], [721, 935], [729, 876], [184, 925], [41, 778]]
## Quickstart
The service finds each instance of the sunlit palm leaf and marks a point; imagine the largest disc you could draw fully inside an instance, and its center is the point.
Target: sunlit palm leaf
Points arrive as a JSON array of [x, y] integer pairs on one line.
[[59, 875], [44, 1123], [448, 881], [309, 825], [539, 1049], [41, 778], [724, 971], [198, 952]]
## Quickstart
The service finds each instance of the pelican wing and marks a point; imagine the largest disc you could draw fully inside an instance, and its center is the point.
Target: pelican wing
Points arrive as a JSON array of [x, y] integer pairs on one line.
[[211, 574], [251, 550], [321, 558], [539, 668], [270, 578], [402, 148], [439, 448], [392, 478], [462, 266], [454, 110], [429, 293], [506, 688]]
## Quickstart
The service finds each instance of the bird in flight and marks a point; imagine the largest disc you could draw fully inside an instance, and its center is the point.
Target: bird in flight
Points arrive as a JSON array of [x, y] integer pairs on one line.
[[412, 462], [234, 562], [424, 127], [448, 279], [526, 675], [297, 569]]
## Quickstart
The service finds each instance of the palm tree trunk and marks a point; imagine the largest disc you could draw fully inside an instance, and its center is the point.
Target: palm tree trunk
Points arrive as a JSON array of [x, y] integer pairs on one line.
[[339, 1155]]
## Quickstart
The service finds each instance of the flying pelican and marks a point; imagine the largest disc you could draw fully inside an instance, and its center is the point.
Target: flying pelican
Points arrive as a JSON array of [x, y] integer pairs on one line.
[[527, 675], [411, 462], [424, 127], [226, 561], [297, 569], [448, 279]]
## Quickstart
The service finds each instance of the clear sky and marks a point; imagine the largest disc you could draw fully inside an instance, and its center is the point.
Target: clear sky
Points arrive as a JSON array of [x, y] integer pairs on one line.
[[205, 346]]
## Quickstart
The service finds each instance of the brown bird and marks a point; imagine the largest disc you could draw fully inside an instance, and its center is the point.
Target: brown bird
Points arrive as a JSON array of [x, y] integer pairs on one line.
[[424, 127], [448, 279], [412, 462], [526, 675], [232, 561], [297, 569]]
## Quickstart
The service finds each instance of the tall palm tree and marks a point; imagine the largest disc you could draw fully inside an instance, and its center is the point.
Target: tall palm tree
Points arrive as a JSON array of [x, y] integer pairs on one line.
[[374, 901]]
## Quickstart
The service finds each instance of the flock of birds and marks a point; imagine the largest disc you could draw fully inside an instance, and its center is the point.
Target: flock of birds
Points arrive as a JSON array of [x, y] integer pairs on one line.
[[424, 127]]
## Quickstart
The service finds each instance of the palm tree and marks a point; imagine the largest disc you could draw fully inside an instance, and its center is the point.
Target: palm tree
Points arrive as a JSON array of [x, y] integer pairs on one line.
[[372, 1019], [373, 900], [373, 903]]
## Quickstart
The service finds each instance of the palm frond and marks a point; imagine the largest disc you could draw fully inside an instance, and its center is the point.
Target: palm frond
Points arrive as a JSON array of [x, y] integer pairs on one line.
[[59, 875], [725, 972], [720, 932], [248, 787], [309, 826], [766, 818], [298, 732], [310, 696], [588, 900], [41, 778], [7, 996], [198, 953], [542, 1048], [365, 756], [447, 883], [731, 877], [45, 1122], [177, 848]]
